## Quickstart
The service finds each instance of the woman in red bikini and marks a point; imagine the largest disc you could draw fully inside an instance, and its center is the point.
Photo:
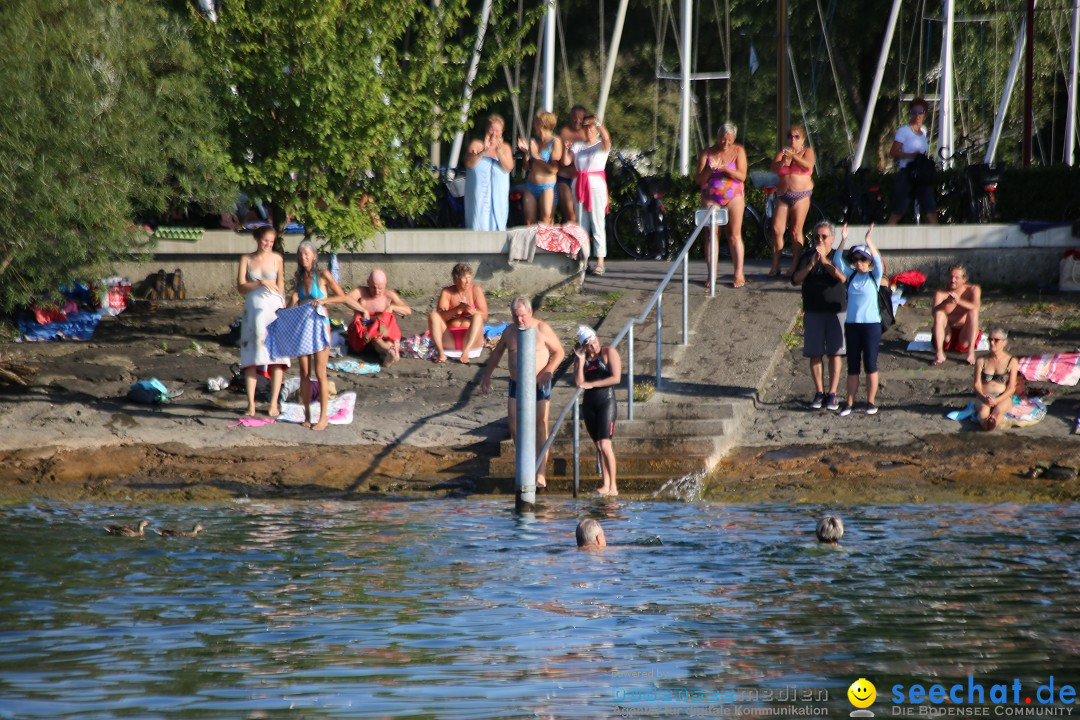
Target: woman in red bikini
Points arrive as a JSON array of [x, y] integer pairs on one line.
[[459, 316], [795, 166], [721, 173]]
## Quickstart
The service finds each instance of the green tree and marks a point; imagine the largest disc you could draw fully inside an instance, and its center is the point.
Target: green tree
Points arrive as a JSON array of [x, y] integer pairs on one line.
[[102, 113], [332, 105]]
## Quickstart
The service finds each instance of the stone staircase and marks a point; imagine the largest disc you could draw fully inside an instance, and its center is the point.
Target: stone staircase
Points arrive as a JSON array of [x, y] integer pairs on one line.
[[670, 437], [685, 428]]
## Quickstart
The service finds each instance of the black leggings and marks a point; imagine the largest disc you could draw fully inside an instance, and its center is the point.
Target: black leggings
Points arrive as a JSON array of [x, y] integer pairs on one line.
[[862, 340], [599, 413]]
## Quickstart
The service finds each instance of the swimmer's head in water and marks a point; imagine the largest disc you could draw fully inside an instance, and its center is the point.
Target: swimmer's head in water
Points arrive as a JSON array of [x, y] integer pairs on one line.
[[590, 534], [829, 529]]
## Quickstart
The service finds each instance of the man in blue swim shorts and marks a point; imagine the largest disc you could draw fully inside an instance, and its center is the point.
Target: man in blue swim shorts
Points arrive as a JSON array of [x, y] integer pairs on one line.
[[549, 355]]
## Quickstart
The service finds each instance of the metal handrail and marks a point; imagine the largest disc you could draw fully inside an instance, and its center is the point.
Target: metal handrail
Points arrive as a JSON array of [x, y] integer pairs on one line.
[[711, 217]]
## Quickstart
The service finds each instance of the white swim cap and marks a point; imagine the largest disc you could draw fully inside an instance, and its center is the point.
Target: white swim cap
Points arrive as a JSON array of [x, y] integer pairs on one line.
[[585, 334]]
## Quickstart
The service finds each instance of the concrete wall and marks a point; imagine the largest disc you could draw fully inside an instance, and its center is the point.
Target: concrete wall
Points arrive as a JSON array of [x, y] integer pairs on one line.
[[995, 254], [414, 260]]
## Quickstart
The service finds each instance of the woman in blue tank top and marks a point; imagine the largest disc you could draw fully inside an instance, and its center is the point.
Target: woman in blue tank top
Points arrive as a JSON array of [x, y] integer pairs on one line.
[[316, 285]]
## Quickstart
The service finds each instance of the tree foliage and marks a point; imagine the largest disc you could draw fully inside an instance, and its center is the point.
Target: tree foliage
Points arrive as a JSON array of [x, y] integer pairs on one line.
[[333, 105], [102, 113]]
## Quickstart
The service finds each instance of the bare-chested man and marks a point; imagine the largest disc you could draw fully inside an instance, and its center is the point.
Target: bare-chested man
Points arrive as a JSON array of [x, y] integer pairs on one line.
[[570, 133], [374, 324], [956, 316], [549, 354], [461, 310]]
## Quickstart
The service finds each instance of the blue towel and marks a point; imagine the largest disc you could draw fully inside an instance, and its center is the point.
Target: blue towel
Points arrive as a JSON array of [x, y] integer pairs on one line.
[[78, 326], [491, 331], [487, 196], [297, 331]]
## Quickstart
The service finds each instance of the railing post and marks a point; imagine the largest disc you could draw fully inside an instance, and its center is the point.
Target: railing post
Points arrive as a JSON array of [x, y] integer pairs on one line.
[[716, 238], [685, 299], [577, 443], [525, 442], [659, 338], [630, 372]]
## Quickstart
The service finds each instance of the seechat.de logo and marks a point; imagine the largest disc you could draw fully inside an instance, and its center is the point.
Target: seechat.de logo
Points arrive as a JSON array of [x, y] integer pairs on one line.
[[862, 694]]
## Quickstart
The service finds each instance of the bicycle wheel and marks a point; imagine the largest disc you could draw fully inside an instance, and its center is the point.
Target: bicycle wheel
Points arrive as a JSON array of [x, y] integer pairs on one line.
[[984, 210], [631, 232]]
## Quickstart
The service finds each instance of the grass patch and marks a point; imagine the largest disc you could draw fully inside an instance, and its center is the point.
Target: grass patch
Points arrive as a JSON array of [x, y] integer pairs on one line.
[[643, 391], [793, 337], [1038, 309], [556, 303], [409, 293], [497, 293]]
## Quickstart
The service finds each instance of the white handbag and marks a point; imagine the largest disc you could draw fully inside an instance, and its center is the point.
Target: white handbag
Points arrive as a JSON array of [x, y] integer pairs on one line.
[[1069, 277]]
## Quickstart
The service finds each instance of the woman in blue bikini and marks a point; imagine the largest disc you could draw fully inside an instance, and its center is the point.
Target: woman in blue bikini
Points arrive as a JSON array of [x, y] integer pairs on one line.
[[316, 285], [544, 151]]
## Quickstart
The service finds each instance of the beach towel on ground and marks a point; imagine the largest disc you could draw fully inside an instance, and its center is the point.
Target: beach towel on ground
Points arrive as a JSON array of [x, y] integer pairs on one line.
[[1026, 411], [923, 342], [354, 367], [297, 331], [340, 409], [78, 326], [1060, 368]]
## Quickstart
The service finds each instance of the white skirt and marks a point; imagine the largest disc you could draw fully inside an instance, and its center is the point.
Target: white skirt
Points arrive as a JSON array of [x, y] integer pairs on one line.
[[260, 309]]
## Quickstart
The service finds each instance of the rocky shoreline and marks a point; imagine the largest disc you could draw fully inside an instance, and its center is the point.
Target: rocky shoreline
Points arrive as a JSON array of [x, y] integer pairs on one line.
[[71, 436]]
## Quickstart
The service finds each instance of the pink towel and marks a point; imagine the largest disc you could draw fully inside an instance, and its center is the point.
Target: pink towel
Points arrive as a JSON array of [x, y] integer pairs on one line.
[[253, 422], [567, 239], [1062, 368]]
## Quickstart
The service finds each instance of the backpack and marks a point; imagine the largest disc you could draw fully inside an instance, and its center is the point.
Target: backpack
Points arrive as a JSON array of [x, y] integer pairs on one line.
[[148, 392], [884, 304]]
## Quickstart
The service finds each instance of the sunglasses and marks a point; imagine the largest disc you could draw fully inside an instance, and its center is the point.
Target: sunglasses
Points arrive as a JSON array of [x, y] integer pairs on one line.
[[994, 339], [794, 136], [916, 112], [821, 236]]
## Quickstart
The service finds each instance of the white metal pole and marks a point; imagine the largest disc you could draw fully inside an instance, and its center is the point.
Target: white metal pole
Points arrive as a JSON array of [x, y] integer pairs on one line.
[[945, 105], [485, 13], [864, 133], [613, 55], [1070, 118], [525, 442], [549, 58], [1006, 92], [684, 72]]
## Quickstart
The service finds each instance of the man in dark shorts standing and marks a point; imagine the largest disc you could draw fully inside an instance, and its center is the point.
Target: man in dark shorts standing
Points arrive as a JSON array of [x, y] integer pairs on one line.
[[824, 296], [549, 355]]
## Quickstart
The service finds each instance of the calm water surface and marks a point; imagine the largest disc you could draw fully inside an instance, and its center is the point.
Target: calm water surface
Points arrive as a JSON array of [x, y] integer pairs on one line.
[[460, 609]]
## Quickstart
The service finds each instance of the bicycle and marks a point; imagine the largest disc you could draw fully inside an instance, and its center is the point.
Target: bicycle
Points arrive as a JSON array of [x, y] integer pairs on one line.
[[859, 206], [975, 189], [639, 226]]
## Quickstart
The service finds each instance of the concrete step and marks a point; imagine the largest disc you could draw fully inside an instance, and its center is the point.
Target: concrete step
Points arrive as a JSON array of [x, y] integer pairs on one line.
[[631, 466], [668, 427], [626, 447], [661, 408], [558, 485]]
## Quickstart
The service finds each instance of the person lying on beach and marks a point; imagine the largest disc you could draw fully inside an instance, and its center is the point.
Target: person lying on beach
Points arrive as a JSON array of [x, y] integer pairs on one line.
[[374, 325], [460, 312], [956, 316]]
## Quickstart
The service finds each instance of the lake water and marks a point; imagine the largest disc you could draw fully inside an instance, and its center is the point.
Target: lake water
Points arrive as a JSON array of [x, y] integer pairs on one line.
[[461, 609]]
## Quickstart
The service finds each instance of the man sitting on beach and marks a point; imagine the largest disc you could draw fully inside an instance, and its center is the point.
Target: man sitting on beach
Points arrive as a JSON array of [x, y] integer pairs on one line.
[[549, 354], [956, 316], [374, 324], [459, 316]]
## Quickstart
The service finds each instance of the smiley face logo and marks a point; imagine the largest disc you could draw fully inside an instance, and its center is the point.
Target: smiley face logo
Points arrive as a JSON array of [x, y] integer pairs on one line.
[[862, 693]]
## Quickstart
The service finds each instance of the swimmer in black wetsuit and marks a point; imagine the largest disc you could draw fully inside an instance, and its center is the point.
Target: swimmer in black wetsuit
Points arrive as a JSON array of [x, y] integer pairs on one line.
[[598, 370]]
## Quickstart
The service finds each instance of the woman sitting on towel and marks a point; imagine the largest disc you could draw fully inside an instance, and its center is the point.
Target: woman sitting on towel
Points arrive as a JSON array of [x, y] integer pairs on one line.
[[995, 381], [314, 284]]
